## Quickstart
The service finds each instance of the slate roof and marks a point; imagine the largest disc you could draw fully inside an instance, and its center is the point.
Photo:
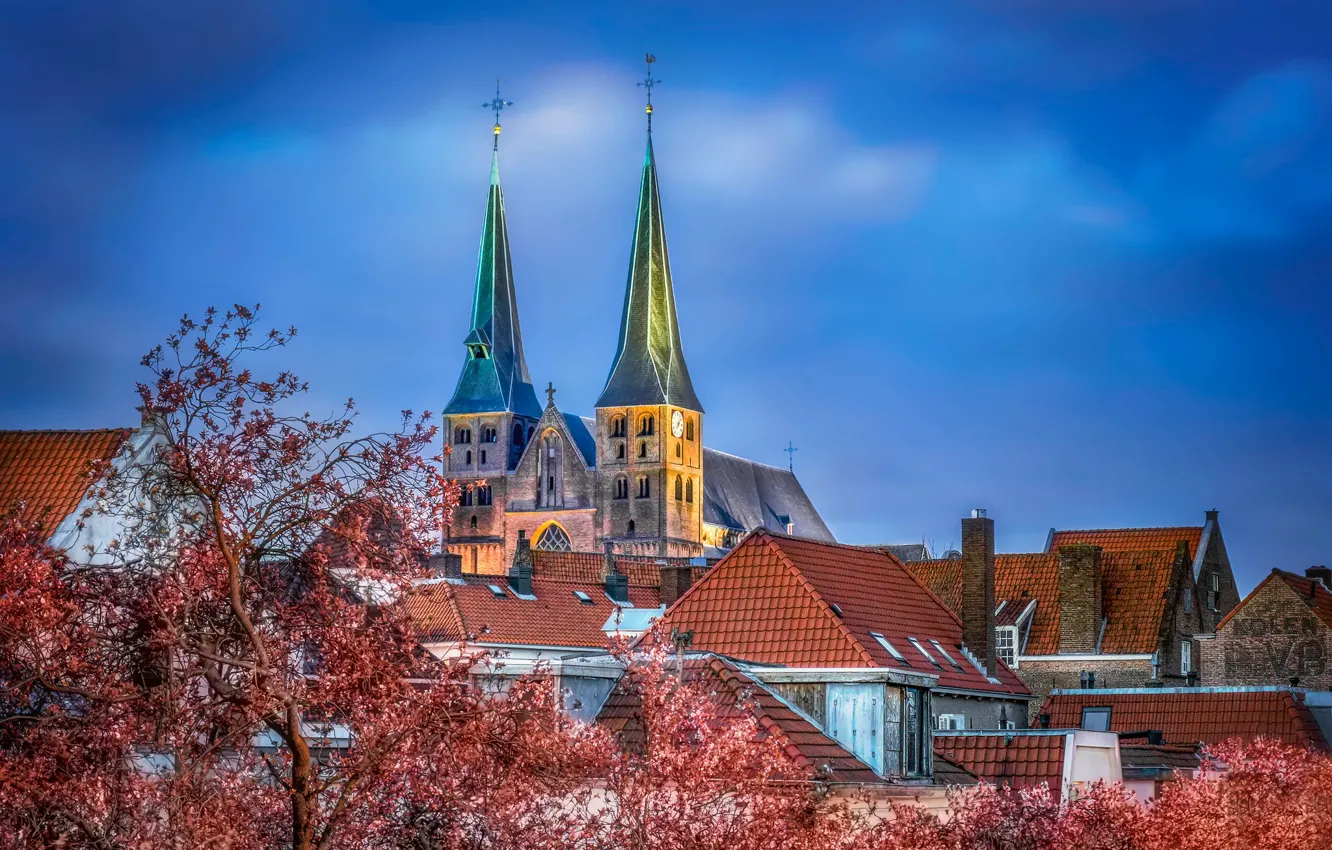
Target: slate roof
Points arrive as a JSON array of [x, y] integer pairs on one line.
[[1129, 539], [1195, 715], [1010, 759], [1311, 592], [771, 599], [50, 470], [905, 552], [649, 365], [1135, 587], [499, 380], [808, 747], [745, 495], [581, 429]]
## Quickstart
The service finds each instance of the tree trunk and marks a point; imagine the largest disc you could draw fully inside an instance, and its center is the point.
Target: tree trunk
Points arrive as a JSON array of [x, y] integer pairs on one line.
[[302, 787]]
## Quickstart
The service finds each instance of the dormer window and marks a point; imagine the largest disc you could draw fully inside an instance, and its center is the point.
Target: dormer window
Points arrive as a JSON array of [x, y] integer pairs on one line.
[[478, 350]]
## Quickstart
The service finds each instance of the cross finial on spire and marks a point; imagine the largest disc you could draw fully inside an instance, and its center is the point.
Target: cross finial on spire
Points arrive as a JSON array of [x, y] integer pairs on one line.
[[550, 393], [497, 106], [648, 83], [790, 450]]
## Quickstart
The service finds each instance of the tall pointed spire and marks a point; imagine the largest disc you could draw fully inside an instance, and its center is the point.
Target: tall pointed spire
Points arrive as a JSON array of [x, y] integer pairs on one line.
[[649, 365], [494, 376]]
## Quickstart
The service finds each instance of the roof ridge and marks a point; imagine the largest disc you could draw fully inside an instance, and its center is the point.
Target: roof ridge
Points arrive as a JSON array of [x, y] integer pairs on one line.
[[1129, 528], [818, 597], [118, 430], [747, 460]]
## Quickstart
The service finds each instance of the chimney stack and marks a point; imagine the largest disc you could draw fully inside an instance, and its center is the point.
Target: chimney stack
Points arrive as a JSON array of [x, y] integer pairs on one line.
[[1320, 574], [978, 588], [675, 580], [617, 583], [446, 565], [1079, 598], [608, 559], [520, 574]]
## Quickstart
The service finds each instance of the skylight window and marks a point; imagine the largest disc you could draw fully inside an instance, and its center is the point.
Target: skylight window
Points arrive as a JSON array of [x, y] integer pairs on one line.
[[497, 590], [836, 609], [944, 653], [582, 597], [925, 652], [892, 650]]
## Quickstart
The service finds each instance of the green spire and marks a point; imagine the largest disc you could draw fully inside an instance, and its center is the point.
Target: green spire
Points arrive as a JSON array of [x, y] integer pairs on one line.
[[649, 365], [494, 376]]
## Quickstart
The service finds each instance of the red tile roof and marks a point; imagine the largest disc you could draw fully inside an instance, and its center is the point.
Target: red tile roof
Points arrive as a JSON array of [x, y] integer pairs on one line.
[[1134, 594], [1011, 759], [1143, 761], [771, 600], [1130, 539], [1317, 597], [1194, 715], [808, 747], [587, 567], [50, 470]]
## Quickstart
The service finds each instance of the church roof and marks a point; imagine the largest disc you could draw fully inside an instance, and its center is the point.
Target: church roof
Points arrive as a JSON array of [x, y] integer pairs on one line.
[[494, 377], [649, 365], [745, 495]]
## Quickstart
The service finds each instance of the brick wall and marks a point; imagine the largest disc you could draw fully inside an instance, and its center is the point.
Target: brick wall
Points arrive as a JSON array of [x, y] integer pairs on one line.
[[1044, 676], [1079, 598], [1271, 639], [978, 588]]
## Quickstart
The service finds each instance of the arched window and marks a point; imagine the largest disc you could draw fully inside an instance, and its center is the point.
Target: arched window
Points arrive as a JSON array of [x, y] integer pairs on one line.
[[689, 430], [469, 457], [621, 487], [518, 435], [642, 448], [619, 451], [462, 435], [530, 431], [679, 489], [465, 497], [631, 528], [679, 450], [550, 470], [647, 425], [644, 487], [617, 426], [473, 522], [689, 490], [489, 434], [552, 538], [483, 494], [483, 457]]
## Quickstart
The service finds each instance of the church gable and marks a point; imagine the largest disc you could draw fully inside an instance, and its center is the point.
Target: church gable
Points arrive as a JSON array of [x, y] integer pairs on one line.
[[553, 473]]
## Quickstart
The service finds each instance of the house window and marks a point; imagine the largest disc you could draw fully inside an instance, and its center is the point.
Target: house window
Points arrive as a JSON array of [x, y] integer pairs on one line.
[[518, 435], [644, 487], [689, 489], [489, 434], [1214, 594], [952, 721], [689, 430], [465, 497], [1185, 657], [1096, 719], [647, 425], [1006, 644], [679, 489], [630, 529], [621, 487], [550, 483], [462, 435], [483, 494], [469, 457], [553, 538], [617, 426], [619, 451], [483, 457]]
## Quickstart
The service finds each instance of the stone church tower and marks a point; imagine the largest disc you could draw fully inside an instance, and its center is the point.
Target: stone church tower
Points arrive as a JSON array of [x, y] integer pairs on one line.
[[633, 477], [649, 421]]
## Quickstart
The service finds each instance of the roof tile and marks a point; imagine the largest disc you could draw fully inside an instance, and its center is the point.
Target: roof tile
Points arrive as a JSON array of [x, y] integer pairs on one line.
[[50, 471]]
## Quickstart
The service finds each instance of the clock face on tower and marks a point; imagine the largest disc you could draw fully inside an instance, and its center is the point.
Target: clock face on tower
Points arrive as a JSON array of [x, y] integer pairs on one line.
[[677, 423]]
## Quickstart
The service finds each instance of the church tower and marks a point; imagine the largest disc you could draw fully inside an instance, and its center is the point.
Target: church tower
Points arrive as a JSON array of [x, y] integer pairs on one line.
[[494, 409], [649, 421]]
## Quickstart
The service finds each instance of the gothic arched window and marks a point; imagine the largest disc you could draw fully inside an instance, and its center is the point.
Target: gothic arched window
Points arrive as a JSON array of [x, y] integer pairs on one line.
[[483, 494], [619, 451], [469, 457], [489, 434], [465, 497], [642, 448], [679, 489], [631, 528], [553, 538], [617, 426], [647, 425], [689, 430], [644, 487], [473, 522], [679, 451], [550, 470], [689, 490], [518, 435], [621, 487]]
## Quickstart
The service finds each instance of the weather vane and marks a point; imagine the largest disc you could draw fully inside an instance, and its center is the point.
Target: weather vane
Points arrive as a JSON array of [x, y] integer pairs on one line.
[[497, 106], [648, 83]]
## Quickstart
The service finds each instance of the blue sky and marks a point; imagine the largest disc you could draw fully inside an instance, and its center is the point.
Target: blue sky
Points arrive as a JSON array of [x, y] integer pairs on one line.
[[1067, 261]]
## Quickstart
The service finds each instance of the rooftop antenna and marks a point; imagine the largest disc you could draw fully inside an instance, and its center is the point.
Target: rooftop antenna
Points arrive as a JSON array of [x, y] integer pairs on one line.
[[497, 106], [790, 450], [648, 83]]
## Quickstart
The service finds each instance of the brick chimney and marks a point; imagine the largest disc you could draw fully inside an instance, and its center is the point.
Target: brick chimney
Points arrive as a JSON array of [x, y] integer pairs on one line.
[[1320, 574], [1079, 598], [978, 588], [446, 565], [675, 580], [520, 574], [617, 583]]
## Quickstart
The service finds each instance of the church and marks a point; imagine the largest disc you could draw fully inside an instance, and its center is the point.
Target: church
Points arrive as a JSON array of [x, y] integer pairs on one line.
[[635, 476]]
